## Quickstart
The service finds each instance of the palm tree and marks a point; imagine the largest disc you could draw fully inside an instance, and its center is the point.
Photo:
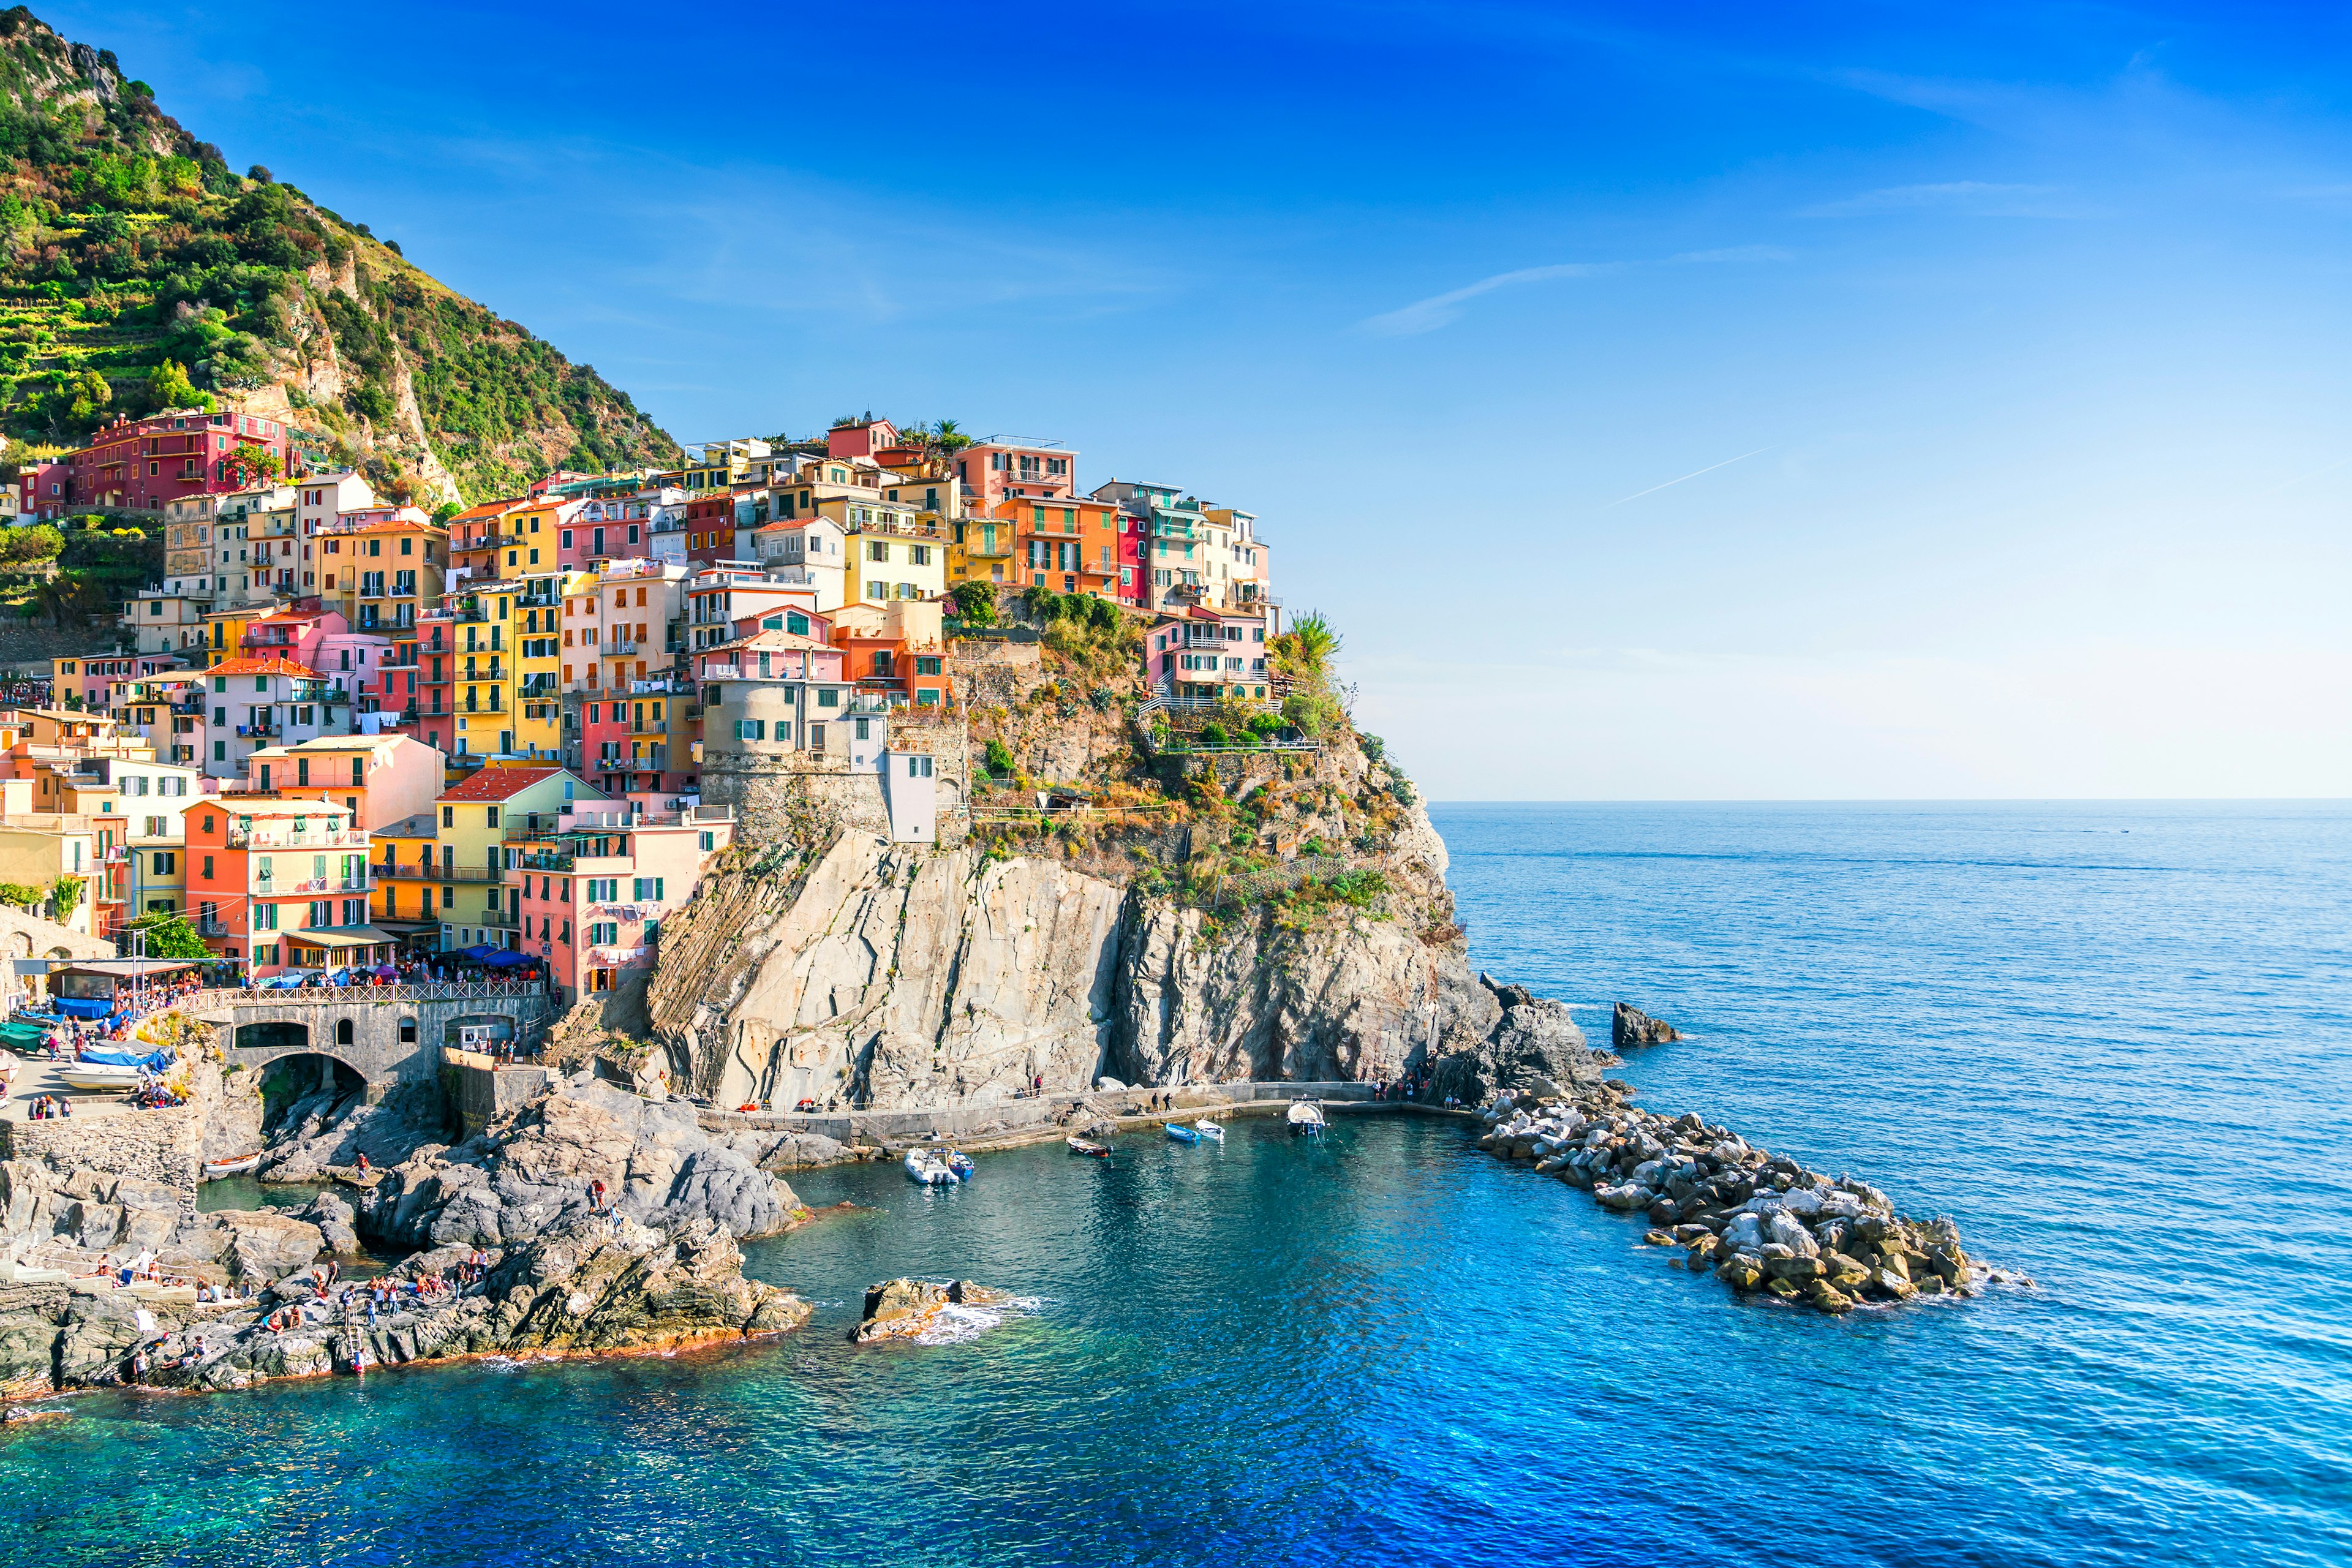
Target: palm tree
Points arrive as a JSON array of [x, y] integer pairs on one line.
[[947, 435]]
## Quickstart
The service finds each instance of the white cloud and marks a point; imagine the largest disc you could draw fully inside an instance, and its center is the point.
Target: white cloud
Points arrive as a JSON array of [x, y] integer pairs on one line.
[[1964, 198], [1445, 310]]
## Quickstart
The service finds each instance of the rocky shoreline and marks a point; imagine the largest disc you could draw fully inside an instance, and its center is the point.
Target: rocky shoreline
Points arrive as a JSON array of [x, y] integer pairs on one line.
[[1759, 1223]]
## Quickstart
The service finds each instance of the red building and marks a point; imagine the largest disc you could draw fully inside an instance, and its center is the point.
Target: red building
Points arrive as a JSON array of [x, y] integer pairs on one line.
[[710, 530], [141, 464]]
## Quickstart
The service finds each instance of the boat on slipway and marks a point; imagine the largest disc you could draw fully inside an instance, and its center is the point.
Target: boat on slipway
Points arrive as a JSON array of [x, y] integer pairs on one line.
[[1306, 1119], [1091, 1150], [238, 1165], [100, 1077]]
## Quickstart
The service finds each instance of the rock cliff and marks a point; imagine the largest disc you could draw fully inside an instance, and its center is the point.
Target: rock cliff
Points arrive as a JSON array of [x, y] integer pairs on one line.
[[914, 976]]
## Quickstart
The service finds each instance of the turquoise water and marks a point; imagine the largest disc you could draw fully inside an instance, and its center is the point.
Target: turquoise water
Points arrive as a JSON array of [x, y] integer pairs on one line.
[[2111, 1041]]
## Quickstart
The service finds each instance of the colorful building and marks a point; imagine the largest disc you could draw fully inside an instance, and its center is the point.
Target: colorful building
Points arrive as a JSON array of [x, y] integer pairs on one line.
[[1002, 468], [280, 884], [144, 465]]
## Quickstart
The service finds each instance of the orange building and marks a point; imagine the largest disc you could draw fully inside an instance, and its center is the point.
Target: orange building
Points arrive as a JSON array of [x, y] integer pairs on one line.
[[1067, 544]]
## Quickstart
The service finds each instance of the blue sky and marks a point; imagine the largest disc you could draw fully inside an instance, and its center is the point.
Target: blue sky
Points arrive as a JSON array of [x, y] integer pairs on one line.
[[2008, 350]]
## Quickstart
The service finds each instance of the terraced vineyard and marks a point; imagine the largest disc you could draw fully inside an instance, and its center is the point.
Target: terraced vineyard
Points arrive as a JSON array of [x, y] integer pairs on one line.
[[138, 271]]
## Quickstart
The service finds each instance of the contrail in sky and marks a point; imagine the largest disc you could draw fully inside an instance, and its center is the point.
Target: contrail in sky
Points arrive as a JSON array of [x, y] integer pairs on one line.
[[1670, 484]]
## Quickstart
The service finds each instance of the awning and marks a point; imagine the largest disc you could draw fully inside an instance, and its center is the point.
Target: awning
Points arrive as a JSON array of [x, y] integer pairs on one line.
[[341, 936]]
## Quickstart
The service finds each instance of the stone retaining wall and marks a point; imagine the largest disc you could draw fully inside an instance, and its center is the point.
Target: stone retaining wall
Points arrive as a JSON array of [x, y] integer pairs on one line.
[[154, 1146]]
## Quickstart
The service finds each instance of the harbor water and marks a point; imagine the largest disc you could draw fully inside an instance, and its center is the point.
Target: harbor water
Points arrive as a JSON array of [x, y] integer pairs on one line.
[[2110, 1041]]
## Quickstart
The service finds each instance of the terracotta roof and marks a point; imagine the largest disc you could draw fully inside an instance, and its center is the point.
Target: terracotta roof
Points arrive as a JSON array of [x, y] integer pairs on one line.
[[278, 666], [499, 783], [490, 508]]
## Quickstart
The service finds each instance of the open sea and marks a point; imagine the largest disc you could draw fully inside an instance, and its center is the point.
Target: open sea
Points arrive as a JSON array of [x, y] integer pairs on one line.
[[2114, 1042]]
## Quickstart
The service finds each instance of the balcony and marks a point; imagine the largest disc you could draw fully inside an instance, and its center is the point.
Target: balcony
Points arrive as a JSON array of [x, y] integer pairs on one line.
[[258, 732], [422, 873], [211, 928], [283, 838], [620, 650]]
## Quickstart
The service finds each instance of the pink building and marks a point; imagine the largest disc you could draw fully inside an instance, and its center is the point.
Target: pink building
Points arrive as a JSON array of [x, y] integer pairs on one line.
[[862, 439], [594, 892], [999, 468]]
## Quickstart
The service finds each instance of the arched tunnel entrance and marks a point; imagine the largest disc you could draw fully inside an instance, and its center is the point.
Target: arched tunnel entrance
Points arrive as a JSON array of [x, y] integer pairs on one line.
[[295, 1088]]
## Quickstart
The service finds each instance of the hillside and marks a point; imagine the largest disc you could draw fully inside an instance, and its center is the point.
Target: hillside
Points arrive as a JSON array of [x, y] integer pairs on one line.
[[136, 269]]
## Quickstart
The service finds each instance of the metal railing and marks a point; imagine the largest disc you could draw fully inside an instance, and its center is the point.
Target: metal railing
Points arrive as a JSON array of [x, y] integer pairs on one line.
[[422, 873], [345, 996]]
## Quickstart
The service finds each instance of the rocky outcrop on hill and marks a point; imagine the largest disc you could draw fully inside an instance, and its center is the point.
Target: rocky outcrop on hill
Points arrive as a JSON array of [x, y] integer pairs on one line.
[[535, 1172], [1630, 1027], [1756, 1222]]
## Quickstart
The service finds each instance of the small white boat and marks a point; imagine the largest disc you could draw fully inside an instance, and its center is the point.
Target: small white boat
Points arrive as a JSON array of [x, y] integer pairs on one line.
[[98, 1077], [238, 1166], [1210, 1129], [1305, 1118], [925, 1165]]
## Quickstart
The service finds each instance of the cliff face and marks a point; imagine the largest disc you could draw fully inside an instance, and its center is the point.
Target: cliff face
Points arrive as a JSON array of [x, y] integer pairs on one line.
[[903, 977]]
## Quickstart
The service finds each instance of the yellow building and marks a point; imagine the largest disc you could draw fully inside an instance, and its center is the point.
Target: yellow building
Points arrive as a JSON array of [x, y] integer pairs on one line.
[[38, 849], [379, 568], [439, 874], [893, 553], [981, 549], [482, 667], [224, 631], [539, 660]]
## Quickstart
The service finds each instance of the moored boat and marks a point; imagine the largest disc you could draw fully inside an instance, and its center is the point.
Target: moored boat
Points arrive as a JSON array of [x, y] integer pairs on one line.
[[1091, 1150], [1209, 1129], [236, 1166], [1179, 1133], [959, 1164], [1305, 1118], [925, 1165]]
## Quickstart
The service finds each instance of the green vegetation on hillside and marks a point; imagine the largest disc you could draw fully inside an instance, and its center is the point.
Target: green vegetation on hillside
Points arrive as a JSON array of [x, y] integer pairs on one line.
[[138, 271]]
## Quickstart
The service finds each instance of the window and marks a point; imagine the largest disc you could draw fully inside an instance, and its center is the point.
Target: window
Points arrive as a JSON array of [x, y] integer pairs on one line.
[[921, 553], [448, 817], [491, 817], [751, 729], [604, 933], [648, 887], [862, 725], [878, 550], [878, 589], [710, 842], [829, 697], [927, 664]]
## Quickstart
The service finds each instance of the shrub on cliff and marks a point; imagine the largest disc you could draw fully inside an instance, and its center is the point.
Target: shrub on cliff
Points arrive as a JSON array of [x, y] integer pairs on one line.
[[999, 758]]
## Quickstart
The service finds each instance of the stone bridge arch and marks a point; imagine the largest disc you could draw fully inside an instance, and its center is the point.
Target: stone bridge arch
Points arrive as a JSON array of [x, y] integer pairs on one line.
[[388, 1035]]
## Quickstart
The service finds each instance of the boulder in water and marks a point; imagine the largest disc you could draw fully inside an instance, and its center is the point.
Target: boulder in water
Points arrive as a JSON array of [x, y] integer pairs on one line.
[[904, 1308], [1631, 1027]]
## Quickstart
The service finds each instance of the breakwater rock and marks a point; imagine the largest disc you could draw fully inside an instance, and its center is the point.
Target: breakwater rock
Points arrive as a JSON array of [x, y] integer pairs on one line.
[[1630, 1028], [1757, 1221], [910, 1309]]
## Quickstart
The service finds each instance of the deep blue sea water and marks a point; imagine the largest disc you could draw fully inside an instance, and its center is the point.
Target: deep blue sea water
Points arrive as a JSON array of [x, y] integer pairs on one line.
[[2111, 1041]]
